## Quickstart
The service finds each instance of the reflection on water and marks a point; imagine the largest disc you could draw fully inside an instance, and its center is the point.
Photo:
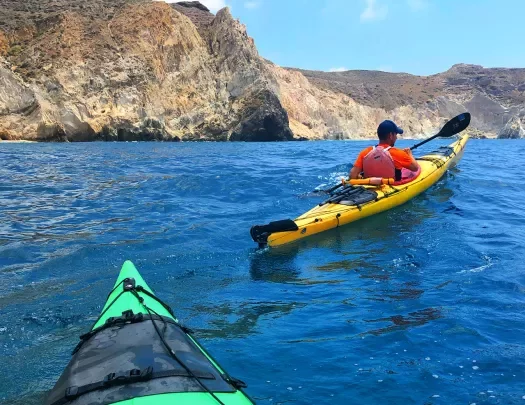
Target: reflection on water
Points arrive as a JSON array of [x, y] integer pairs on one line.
[[406, 293], [347, 264], [278, 266], [274, 266], [231, 321], [400, 322]]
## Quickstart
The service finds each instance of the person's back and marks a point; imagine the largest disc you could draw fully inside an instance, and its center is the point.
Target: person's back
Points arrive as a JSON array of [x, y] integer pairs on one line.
[[384, 160], [378, 162]]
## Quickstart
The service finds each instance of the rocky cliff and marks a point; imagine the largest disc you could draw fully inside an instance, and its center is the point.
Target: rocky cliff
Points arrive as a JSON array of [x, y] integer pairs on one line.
[[495, 97], [75, 70], [133, 70]]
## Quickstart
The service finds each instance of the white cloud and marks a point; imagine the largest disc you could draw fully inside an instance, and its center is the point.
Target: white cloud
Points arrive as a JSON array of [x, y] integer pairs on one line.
[[213, 5], [417, 5], [252, 4], [338, 69], [373, 11]]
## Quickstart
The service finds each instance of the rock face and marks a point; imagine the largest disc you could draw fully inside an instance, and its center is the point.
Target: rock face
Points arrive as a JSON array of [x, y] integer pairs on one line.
[[512, 130], [19, 108], [144, 71], [117, 70], [420, 104], [196, 12]]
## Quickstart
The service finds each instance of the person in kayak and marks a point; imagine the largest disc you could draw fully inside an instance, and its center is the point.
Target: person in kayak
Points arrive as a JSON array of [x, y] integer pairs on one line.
[[384, 160]]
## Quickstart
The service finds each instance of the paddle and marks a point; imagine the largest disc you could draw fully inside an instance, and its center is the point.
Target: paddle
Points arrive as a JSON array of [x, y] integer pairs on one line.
[[330, 189], [451, 128]]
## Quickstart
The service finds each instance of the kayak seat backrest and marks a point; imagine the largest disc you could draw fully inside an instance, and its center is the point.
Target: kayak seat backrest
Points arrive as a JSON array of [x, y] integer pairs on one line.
[[127, 361], [407, 176]]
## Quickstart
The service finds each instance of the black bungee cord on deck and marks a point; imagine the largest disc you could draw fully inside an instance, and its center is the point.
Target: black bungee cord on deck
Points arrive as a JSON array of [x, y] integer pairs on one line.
[[129, 286], [134, 290]]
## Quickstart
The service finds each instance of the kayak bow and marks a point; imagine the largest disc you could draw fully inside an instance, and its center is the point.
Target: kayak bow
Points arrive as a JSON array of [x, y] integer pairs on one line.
[[137, 353]]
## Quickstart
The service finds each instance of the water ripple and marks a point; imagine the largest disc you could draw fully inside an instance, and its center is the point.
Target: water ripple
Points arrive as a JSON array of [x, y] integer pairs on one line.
[[424, 302]]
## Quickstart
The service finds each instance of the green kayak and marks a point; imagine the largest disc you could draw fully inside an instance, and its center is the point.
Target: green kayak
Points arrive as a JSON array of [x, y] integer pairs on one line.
[[137, 353]]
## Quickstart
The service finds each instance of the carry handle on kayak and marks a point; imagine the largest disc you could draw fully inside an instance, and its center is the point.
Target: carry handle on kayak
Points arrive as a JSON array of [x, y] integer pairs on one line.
[[372, 181]]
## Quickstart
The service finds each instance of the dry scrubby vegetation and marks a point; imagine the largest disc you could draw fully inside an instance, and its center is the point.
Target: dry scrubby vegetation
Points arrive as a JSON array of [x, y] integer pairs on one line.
[[17, 14], [22, 21], [389, 90]]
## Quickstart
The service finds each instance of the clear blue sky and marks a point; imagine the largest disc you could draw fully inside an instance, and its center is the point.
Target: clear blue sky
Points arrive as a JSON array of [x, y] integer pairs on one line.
[[414, 36]]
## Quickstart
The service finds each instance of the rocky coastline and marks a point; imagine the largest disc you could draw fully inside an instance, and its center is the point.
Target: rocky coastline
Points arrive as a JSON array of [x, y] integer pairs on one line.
[[140, 70]]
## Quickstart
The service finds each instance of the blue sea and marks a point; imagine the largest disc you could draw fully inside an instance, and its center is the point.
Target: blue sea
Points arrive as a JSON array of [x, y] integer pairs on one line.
[[424, 304]]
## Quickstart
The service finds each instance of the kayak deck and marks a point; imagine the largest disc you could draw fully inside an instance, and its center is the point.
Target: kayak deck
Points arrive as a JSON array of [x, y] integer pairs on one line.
[[138, 353], [188, 399], [128, 301]]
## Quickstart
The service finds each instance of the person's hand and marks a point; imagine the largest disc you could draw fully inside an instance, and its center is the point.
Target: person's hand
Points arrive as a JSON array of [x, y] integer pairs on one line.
[[408, 151]]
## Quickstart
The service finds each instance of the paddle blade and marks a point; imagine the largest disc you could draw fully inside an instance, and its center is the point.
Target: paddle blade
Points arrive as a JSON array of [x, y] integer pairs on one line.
[[331, 189], [455, 125]]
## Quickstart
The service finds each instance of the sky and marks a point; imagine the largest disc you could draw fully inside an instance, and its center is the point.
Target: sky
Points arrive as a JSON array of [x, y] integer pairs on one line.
[[420, 37]]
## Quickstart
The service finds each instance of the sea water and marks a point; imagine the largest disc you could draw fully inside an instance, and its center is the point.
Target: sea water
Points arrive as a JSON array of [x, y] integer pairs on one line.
[[424, 304]]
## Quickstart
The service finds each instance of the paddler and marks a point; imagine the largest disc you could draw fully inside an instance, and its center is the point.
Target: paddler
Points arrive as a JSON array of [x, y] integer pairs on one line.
[[383, 160]]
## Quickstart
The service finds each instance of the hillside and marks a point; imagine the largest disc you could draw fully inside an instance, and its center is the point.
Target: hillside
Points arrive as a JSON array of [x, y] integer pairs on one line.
[[132, 70], [141, 70], [495, 97]]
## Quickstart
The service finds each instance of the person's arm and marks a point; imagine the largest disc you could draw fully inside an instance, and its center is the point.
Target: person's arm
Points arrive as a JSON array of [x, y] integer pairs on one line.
[[413, 166], [354, 172]]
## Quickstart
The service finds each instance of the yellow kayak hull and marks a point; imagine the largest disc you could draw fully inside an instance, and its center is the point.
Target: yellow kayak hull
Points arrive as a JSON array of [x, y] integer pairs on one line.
[[332, 215]]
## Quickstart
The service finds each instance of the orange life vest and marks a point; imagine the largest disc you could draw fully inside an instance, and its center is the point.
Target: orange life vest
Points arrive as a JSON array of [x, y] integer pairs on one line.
[[379, 163]]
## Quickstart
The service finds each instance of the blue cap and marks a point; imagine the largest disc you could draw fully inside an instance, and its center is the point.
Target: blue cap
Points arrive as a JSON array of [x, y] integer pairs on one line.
[[388, 126]]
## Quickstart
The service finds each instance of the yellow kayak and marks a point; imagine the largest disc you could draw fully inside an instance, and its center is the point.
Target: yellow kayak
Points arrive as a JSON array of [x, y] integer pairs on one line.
[[354, 203]]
